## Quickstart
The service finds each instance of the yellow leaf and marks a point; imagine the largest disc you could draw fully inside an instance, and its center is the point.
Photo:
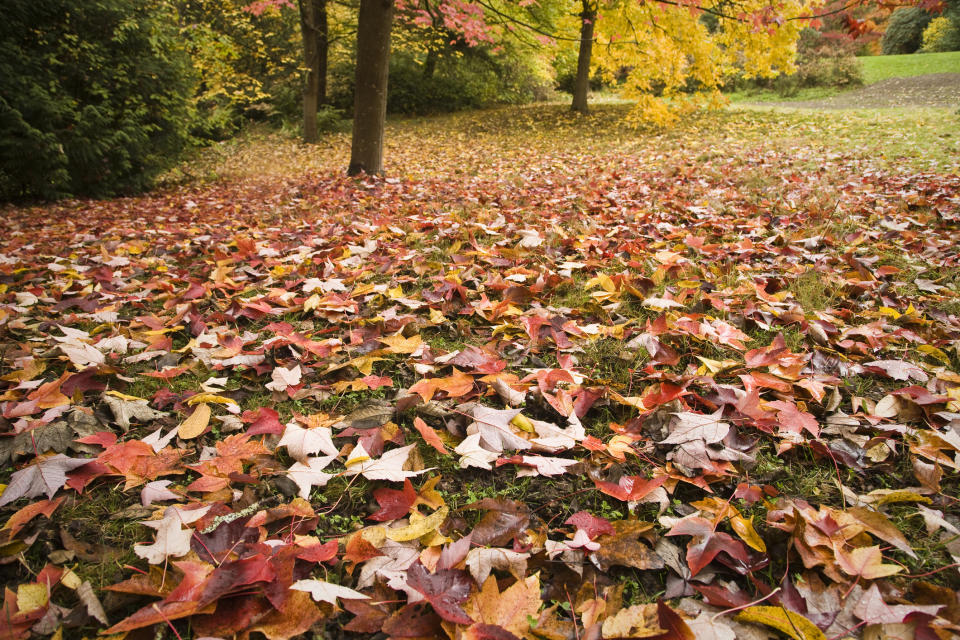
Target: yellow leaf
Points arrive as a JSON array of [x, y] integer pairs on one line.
[[688, 284], [437, 317], [715, 366], [619, 446], [311, 303], [901, 495], [744, 529], [419, 526], [210, 397], [70, 579], [933, 352], [32, 596], [396, 292], [429, 496], [604, 281], [399, 344], [522, 422], [787, 622], [123, 396], [195, 424]]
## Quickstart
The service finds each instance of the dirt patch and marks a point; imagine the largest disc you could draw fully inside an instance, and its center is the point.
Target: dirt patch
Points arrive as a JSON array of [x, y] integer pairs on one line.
[[932, 90]]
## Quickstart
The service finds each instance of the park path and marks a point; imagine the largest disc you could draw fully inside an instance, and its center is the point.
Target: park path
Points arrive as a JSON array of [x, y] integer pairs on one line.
[[931, 90]]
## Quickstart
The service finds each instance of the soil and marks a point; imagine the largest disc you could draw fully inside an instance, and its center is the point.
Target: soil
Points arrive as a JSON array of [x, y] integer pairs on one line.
[[932, 90]]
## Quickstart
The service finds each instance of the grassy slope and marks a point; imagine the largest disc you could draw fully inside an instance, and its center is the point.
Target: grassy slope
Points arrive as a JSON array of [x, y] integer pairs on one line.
[[875, 69]]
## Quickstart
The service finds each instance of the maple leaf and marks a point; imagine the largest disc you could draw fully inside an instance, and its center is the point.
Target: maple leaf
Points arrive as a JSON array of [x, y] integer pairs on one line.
[[430, 436], [282, 378], [511, 609], [898, 369], [706, 543], [865, 562], [872, 609], [495, 430], [480, 561], [327, 592], [446, 590], [592, 525], [43, 476], [127, 408], [394, 504], [688, 427], [156, 491], [538, 465], [473, 454], [302, 443], [310, 474], [172, 539], [389, 466]]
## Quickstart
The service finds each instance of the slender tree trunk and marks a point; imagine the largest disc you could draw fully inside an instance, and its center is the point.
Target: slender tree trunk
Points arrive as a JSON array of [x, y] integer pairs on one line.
[[581, 84], [309, 22], [323, 50], [430, 66], [370, 92]]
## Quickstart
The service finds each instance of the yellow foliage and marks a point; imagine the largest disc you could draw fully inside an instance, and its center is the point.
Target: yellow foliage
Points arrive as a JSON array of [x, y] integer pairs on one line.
[[672, 60]]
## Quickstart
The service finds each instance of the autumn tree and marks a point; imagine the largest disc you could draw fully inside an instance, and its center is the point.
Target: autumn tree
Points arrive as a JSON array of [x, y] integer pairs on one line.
[[673, 56]]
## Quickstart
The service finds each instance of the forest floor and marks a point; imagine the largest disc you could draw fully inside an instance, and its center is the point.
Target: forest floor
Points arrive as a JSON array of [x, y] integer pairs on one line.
[[551, 378]]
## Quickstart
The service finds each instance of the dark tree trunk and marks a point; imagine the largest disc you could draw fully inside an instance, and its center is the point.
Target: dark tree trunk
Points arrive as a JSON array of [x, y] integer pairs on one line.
[[313, 26], [430, 66], [581, 84], [370, 92], [323, 50]]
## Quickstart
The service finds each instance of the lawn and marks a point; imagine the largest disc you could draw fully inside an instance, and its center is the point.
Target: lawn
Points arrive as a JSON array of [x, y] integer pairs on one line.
[[553, 377], [877, 68]]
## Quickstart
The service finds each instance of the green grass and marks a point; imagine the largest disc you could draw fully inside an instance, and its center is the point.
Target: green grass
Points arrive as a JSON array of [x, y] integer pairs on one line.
[[770, 95], [877, 68]]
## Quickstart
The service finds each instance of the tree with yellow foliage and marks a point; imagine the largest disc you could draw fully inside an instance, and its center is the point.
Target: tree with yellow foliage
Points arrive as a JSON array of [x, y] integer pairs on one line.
[[672, 56]]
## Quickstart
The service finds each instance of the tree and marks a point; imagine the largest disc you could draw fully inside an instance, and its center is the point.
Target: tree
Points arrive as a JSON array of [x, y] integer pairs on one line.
[[315, 30], [672, 57], [581, 83], [370, 91], [93, 96]]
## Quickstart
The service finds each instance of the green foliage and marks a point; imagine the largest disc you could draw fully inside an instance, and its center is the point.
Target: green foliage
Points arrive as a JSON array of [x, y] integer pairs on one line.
[[904, 32], [942, 34], [460, 80], [94, 97], [248, 66]]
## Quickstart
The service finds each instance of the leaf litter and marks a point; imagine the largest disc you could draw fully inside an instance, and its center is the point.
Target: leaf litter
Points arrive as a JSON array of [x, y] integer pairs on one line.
[[604, 392]]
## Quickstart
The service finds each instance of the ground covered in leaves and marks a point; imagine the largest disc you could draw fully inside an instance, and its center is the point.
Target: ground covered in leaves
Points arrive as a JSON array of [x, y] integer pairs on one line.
[[552, 379]]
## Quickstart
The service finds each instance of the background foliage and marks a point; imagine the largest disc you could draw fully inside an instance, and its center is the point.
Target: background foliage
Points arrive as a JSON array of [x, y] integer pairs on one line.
[[93, 98]]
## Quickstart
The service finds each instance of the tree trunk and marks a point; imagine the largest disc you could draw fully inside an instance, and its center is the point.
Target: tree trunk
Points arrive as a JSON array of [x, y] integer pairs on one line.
[[581, 84], [323, 49], [370, 92], [310, 19], [430, 66]]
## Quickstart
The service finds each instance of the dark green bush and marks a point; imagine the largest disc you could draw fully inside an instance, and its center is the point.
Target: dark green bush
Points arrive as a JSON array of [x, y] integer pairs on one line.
[[93, 97], [904, 32]]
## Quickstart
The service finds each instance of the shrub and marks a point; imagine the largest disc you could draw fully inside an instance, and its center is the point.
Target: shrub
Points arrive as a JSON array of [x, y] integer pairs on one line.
[[942, 34], [94, 97], [822, 61], [460, 80], [904, 32]]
